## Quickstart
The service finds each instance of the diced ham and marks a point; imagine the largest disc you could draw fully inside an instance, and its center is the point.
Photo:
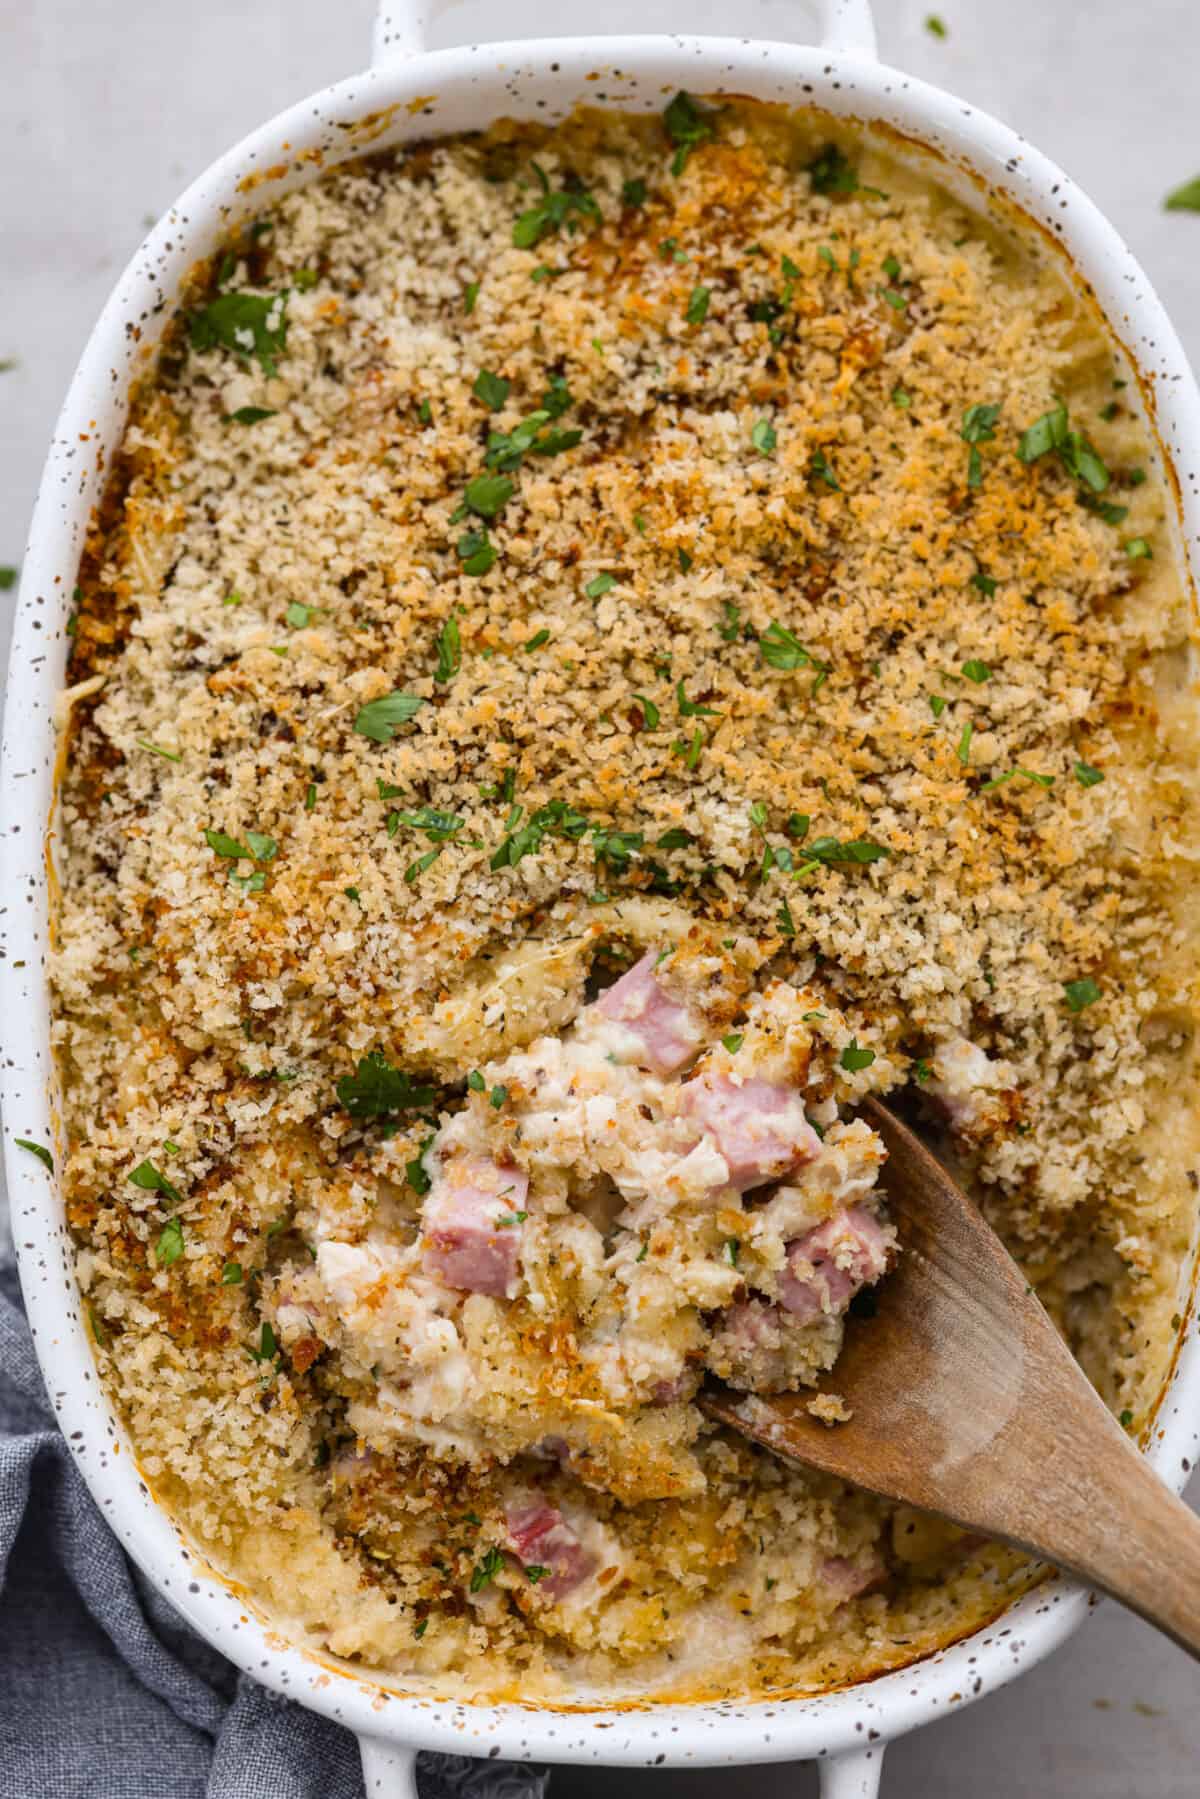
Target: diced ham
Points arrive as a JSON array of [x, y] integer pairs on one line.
[[666, 1033], [758, 1128], [827, 1266], [847, 1579], [472, 1228], [542, 1538]]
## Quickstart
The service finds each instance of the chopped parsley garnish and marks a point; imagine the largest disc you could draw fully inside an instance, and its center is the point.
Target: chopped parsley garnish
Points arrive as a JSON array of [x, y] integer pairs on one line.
[[555, 818], [231, 1274], [781, 649], [1081, 993], [650, 712], [1126, 1417], [697, 306], [487, 495], [688, 125], [508, 449], [1052, 432], [985, 584], [1087, 776], [169, 1247], [449, 651], [535, 1572], [831, 173], [978, 427], [730, 631], [249, 415], [855, 1058], [820, 467], [684, 560], [486, 1571], [600, 585], [552, 211], [733, 1041], [537, 640], [690, 708], [1138, 550], [496, 1099], [977, 671], [298, 615], [733, 1250], [476, 552], [414, 1171], [491, 389], [476, 1082], [830, 849], [633, 192], [222, 845], [268, 1345], [36, 1149], [470, 295], [937, 704], [251, 325], [557, 398], [901, 398], [156, 749], [894, 298], [1185, 198], [935, 26], [674, 839], [439, 827], [8, 578], [381, 719], [690, 751], [785, 924], [763, 437], [377, 1088], [1017, 774], [922, 1071], [963, 751]]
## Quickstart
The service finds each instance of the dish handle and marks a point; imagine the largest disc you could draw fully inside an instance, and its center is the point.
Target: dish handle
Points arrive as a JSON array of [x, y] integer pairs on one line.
[[402, 28], [390, 1769], [853, 1776]]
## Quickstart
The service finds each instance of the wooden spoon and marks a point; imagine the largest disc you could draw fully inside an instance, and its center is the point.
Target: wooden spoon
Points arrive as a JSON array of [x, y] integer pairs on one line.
[[966, 1402]]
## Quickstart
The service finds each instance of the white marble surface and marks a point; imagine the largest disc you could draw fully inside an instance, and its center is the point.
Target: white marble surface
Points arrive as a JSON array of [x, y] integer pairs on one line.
[[110, 108]]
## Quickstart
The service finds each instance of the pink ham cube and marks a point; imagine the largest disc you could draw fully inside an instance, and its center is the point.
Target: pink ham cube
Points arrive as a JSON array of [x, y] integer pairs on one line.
[[847, 1579], [758, 1128], [827, 1266], [472, 1224], [543, 1539], [666, 1034]]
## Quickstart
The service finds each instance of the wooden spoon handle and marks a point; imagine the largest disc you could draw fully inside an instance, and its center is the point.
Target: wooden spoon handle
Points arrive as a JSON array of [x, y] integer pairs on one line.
[[1114, 1523]]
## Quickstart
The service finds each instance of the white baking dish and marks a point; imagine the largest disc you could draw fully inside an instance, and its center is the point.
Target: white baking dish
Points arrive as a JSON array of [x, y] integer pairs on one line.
[[411, 93]]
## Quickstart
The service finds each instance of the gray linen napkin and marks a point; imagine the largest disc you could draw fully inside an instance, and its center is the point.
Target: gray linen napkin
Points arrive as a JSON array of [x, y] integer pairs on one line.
[[104, 1691]]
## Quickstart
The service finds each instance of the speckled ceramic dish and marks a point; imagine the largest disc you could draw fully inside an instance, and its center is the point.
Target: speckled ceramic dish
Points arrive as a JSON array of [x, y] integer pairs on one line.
[[410, 93]]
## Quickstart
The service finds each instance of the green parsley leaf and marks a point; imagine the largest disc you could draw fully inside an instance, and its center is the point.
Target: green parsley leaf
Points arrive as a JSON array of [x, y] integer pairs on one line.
[[831, 173], [731, 630], [937, 704], [1049, 432], [763, 437], [1126, 1417], [963, 752], [1087, 776], [475, 1081], [650, 712], [231, 1274], [223, 845], [684, 560], [688, 125], [169, 1247], [674, 839], [36, 1149], [298, 616], [249, 415], [304, 280], [1138, 550], [535, 1572], [555, 818], [922, 1071], [781, 649], [859, 850], [901, 398], [551, 212], [854, 1058], [557, 398], [251, 325], [599, 585], [977, 671], [821, 469], [896, 300], [8, 578], [1018, 774], [268, 1345], [476, 552], [697, 306], [156, 749], [380, 719], [785, 924], [416, 869], [1185, 198], [733, 1041], [151, 1180], [633, 192], [935, 26], [491, 389], [690, 708], [538, 639], [262, 848], [449, 651], [486, 1571], [496, 1099], [470, 295], [488, 494], [377, 1088], [414, 1171], [1081, 993]]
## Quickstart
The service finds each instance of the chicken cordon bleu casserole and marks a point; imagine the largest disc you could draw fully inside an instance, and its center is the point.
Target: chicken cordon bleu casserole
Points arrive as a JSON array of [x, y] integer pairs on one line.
[[605, 645]]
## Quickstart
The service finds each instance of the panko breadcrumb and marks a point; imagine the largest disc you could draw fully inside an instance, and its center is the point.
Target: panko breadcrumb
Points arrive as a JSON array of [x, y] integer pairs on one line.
[[531, 549]]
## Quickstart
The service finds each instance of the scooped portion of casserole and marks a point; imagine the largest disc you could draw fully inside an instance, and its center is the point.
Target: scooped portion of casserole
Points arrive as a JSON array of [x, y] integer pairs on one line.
[[606, 645]]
